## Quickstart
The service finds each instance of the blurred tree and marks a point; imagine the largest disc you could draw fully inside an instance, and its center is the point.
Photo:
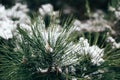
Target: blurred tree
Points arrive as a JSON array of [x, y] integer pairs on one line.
[[7, 3], [99, 4], [77, 7], [35, 4]]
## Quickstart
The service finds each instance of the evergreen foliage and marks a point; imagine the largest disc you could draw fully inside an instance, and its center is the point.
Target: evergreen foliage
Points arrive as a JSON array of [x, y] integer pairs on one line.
[[51, 54]]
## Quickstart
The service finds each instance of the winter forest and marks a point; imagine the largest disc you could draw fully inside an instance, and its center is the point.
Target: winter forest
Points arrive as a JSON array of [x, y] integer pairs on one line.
[[59, 39]]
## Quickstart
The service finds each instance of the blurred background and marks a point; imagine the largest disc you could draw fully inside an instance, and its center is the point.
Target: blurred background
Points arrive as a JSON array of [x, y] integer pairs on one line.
[[89, 15], [80, 8]]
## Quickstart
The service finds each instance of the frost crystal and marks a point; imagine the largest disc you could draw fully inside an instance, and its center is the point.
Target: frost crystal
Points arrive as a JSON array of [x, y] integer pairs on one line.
[[46, 9], [113, 43], [94, 51], [96, 24], [11, 17]]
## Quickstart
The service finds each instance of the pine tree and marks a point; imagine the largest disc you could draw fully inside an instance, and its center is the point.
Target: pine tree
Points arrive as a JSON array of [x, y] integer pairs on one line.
[[52, 54]]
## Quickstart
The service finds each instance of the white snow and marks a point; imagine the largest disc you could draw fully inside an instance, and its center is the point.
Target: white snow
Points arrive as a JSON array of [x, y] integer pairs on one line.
[[9, 18]]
